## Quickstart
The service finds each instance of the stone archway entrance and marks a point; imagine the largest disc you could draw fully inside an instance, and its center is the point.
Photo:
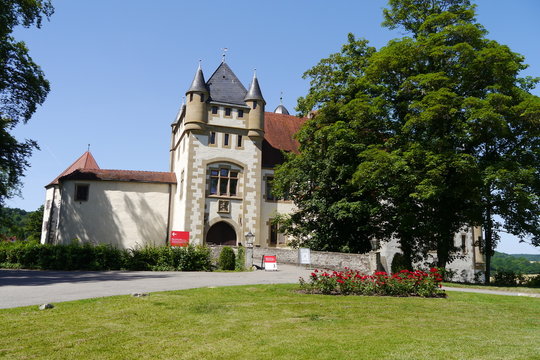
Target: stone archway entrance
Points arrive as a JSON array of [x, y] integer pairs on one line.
[[221, 233]]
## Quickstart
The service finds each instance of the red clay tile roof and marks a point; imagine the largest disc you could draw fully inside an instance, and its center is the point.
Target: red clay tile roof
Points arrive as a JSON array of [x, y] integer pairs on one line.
[[86, 161], [279, 130], [121, 175]]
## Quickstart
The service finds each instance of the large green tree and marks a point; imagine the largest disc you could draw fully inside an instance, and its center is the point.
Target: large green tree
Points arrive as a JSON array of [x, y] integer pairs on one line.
[[22, 88], [443, 133]]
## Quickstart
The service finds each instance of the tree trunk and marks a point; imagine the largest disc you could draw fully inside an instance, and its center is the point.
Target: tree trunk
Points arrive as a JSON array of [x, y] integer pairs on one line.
[[488, 244]]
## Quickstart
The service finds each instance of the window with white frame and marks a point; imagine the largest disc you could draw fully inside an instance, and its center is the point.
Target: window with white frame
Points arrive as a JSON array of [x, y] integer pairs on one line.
[[223, 182]]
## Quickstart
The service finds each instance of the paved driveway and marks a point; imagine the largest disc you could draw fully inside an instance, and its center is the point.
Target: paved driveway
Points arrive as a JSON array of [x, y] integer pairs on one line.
[[32, 287]]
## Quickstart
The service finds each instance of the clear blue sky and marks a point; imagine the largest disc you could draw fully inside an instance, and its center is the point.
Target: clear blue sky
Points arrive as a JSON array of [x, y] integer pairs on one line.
[[118, 69]]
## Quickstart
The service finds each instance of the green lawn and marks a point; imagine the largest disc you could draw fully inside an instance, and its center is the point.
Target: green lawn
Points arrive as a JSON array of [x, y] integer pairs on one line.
[[518, 289], [275, 322]]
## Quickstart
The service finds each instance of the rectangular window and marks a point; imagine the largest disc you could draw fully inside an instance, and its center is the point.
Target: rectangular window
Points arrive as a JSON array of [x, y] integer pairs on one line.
[[273, 234], [223, 182], [227, 111], [81, 192], [226, 140], [239, 141], [191, 97], [214, 180], [202, 97], [240, 113], [463, 243], [212, 139], [214, 110], [233, 183], [254, 105], [269, 195]]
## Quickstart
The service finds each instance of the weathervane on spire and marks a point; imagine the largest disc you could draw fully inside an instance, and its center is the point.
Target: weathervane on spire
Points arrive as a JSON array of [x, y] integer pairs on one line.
[[224, 53], [281, 98], [88, 148]]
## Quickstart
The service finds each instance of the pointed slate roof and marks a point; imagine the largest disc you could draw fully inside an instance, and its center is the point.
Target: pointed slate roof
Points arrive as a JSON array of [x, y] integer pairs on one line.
[[86, 161], [198, 83], [225, 87], [254, 92]]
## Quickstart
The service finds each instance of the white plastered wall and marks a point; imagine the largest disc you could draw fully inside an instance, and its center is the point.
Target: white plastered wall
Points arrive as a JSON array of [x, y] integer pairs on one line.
[[270, 209], [123, 214]]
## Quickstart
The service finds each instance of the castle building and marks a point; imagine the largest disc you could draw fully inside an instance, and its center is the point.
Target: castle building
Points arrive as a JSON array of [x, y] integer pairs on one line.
[[223, 150], [224, 147]]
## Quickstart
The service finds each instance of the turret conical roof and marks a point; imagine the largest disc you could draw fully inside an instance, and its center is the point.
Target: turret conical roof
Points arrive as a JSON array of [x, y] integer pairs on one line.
[[198, 84], [254, 92]]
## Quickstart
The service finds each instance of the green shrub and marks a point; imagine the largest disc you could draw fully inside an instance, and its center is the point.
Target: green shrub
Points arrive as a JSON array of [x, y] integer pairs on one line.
[[226, 259], [399, 263], [76, 256], [508, 278], [533, 281], [241, 259]]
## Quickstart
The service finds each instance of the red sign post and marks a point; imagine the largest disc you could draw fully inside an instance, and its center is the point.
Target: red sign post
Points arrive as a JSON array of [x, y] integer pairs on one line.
[[179, 238]]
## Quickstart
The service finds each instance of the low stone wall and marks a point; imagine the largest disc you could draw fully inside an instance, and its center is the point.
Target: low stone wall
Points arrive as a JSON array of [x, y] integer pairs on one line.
[[365, 263]]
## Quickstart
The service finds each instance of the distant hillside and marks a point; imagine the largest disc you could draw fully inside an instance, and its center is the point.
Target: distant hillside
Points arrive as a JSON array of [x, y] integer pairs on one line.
[[20, 224], [519, 263], [530, 257]]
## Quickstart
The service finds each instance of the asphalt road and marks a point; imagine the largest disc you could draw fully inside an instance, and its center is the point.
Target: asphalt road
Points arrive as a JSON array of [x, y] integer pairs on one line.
[[32, 287]]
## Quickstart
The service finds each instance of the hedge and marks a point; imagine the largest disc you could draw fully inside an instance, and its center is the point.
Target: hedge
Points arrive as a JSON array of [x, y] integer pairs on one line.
[[75, 256]]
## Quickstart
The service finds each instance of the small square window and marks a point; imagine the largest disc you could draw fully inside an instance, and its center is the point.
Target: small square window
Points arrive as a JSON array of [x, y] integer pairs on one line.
[[212, 139], [214, 110], [227, 111], [240, 113], [81, 192], [254, 104]]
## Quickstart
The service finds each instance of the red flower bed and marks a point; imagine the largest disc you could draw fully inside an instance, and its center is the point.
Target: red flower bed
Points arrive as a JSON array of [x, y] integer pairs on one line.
[[403, 283]]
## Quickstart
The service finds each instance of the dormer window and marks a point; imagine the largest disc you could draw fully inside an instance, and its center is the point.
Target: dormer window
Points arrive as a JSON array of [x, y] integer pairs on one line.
[[214, 110], [228, 111], [240, 113]]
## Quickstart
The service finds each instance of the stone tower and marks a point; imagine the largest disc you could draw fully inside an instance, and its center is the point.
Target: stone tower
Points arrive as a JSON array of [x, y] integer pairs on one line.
[[216, 154]]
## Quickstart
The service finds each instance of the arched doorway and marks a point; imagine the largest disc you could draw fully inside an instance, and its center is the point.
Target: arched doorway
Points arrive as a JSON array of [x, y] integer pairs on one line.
[[221, 233]]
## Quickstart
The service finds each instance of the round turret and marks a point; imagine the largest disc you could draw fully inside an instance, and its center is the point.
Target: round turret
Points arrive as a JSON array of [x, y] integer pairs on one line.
[[196, 97], [256, 102]]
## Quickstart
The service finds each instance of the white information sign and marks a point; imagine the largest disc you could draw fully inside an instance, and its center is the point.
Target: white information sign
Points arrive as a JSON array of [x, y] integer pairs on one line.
[[304, 256]]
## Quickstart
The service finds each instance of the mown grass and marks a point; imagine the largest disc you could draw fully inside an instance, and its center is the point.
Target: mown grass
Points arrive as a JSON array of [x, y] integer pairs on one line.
[[518, 289], [275, 322]]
